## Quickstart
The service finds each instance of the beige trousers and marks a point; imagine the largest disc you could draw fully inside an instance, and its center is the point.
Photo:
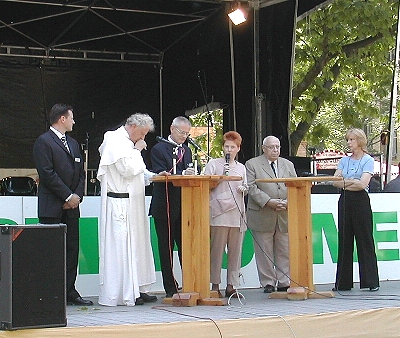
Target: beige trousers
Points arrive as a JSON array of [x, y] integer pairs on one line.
[[272, 257], [232, 239]]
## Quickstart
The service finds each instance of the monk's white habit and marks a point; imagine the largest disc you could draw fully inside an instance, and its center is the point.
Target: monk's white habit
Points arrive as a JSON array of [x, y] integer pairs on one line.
[[126, 257]]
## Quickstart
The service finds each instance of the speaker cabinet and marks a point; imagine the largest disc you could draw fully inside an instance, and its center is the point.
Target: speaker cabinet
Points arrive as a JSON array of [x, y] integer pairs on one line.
[[32, 276]]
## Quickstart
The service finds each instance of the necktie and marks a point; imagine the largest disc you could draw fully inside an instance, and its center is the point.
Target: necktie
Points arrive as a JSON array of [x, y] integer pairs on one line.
[[273, 168], [64, 141], [180, 153]]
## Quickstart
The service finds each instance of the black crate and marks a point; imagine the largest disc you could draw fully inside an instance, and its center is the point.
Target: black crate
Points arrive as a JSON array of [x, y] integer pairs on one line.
[[32, 276]]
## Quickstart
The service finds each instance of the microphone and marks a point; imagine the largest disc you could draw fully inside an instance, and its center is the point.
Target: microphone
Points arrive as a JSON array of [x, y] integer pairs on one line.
[[161, 139], [194, 144], [226, 165]]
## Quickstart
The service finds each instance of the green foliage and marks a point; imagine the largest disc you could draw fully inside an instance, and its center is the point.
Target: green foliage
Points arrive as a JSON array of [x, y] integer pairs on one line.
[[211, 139], [343, 73]]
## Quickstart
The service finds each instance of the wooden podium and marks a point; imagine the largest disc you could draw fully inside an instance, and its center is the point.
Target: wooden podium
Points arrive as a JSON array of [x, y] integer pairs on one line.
[[196, 237], [300, 236]]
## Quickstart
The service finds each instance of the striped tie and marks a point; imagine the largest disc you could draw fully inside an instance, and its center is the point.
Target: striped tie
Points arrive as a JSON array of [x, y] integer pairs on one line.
[[64, 141], [273, 168]]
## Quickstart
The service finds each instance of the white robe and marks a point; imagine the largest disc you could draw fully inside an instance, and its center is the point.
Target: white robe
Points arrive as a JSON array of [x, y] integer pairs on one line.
[[126, 257]]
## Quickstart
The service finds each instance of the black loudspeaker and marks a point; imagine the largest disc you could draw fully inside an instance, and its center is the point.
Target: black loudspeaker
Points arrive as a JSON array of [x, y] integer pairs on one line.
[[302, 165], [32, 276], [18, 186]]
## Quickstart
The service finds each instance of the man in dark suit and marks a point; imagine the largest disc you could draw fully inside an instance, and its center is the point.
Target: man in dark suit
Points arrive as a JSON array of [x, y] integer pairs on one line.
[[167, 212], [59, 163], [393, 185]]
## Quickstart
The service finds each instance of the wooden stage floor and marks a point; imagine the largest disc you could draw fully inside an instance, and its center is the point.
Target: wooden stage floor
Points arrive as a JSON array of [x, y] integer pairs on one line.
[[356, 313]]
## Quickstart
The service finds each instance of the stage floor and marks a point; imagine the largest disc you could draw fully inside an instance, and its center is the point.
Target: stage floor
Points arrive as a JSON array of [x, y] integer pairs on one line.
[[256, 304], [360, 311]]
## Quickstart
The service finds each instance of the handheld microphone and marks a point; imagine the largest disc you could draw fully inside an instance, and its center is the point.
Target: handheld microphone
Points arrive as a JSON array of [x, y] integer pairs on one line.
[[161, 139], [194, 144], [226, 165]]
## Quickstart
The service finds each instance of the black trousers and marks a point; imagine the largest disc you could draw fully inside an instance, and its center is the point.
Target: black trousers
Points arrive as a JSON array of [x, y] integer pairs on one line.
[[72, 250], [168, 235], [355, 222]]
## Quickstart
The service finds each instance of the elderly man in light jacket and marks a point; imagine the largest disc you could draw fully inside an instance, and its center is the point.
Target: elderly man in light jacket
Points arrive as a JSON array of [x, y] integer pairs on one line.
[[267, 215]]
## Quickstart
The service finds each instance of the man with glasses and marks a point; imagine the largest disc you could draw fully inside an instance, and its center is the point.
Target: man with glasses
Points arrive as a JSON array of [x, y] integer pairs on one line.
[[165, 207], [267, 215]]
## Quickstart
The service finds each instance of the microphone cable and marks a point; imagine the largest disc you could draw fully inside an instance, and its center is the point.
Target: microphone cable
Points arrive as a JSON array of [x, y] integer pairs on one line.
[[168, 210]]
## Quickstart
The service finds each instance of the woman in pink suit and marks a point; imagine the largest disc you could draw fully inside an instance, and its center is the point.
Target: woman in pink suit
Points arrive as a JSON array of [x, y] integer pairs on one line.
[[227, 214]]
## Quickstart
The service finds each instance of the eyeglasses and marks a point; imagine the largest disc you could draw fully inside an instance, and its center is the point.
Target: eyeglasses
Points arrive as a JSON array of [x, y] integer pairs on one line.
[[272, 147], [186, 133]]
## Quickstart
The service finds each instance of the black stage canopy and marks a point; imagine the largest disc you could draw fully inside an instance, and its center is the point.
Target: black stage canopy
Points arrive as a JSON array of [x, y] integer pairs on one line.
[[111, 58]]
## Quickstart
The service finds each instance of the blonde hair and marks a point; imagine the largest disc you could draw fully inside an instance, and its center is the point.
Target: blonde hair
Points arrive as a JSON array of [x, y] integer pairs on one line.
[[360, 137]]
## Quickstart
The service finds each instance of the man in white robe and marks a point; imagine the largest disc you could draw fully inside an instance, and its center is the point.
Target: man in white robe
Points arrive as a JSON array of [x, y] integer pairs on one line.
[[126, 258]]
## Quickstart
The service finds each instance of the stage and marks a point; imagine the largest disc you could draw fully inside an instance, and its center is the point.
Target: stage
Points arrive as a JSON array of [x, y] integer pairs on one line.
[[356, 313]]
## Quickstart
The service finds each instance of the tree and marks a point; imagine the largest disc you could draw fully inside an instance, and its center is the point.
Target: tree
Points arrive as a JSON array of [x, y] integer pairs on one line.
[[342, 70], [212, 139]]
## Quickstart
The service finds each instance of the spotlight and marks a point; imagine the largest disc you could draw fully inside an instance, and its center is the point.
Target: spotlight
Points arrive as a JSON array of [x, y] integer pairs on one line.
[[238, 14]]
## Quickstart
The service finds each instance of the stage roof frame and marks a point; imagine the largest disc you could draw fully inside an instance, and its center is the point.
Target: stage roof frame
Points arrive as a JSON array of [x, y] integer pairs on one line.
[[125, 31]]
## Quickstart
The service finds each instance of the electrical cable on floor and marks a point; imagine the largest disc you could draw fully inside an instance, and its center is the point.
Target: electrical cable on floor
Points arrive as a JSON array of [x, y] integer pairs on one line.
[[265, 315], [167, 309]]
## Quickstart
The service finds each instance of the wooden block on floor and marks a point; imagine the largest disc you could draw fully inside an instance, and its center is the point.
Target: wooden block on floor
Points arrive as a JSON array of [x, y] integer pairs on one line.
[[214, 294], [213, 301], [297, 293], [167, 300], [185, 299], [321, 295], [278, 295]]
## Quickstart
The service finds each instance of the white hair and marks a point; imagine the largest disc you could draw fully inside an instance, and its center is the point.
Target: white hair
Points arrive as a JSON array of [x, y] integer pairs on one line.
[[140, 120]]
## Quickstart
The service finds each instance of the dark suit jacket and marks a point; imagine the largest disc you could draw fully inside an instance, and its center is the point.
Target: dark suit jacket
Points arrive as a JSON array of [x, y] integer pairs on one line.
[[60, 174], [161, 159]]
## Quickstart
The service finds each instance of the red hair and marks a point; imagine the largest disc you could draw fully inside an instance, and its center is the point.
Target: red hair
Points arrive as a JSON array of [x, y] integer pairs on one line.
[[233, 136]]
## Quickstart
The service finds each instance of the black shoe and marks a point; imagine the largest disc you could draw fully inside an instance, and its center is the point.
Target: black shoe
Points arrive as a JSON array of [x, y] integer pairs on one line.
[[340, 289], [79, 301], [139, 301], [230, 293], [374, 288], [169, 294], [147, 298], [282, 288], [269, 288]]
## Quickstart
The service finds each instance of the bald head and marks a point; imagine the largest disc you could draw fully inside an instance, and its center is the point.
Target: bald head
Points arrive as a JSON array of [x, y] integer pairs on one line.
[[271, 148]]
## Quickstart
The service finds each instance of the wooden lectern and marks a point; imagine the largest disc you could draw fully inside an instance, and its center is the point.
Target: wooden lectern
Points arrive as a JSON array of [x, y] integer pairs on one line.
[[196, 237], [300, 236]]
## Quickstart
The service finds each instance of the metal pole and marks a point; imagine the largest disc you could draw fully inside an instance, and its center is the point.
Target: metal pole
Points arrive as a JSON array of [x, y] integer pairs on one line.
[[232, 74], [161, 93], [259, 98], [393, 110]]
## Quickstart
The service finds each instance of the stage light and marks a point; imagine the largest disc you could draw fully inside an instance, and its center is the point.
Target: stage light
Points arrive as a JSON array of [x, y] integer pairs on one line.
[[238, 14]]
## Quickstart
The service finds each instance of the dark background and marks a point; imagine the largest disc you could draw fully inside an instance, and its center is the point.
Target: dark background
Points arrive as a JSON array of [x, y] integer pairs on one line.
[[194, 57]]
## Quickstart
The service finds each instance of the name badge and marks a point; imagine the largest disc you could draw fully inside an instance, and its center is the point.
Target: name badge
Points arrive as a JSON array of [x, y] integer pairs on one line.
[[77, 159]]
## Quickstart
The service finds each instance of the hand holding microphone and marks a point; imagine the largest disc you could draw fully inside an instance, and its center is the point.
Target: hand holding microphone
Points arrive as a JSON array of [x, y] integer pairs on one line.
[[243, 188], [226, 165]]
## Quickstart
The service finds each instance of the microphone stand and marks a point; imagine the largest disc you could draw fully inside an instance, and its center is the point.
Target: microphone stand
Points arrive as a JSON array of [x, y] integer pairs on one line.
[[86, 162], [209, 117]]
